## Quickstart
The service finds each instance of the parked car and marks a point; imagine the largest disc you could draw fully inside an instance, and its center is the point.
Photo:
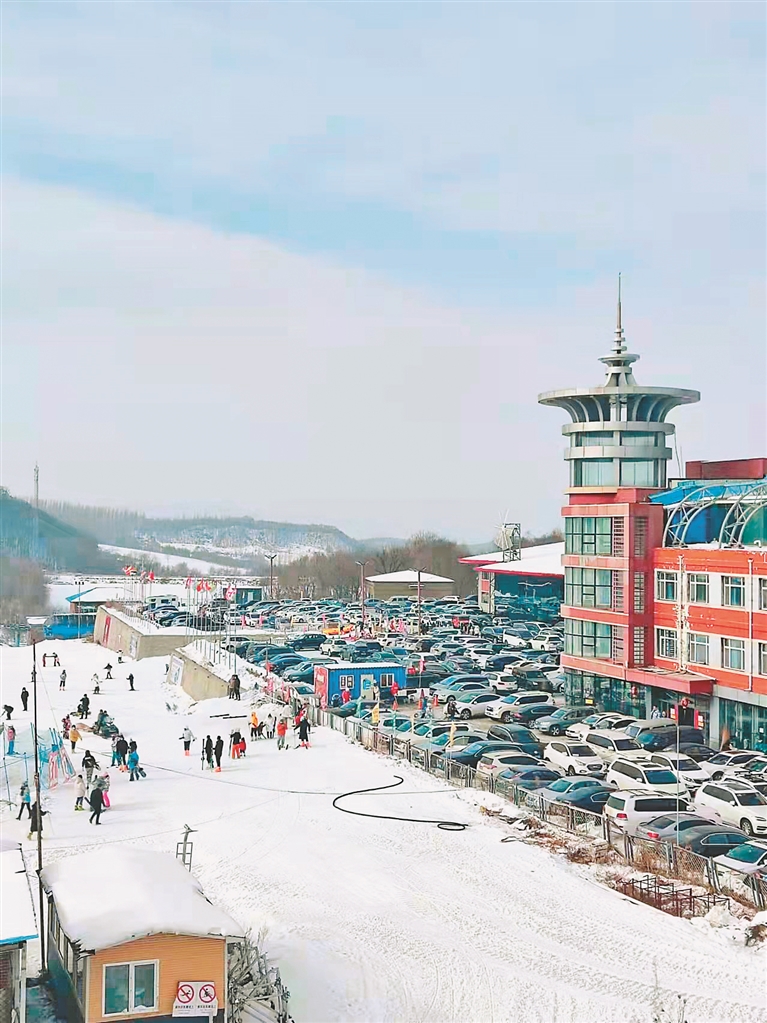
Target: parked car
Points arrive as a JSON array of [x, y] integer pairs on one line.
[[554, 792], [437, 744], [492, 763], [683, 767], [643, 775], [713, 840], [518, 735], [574, 758], [717, 767], [308, 641], [599, 723], [667, 827], [733, 802], [531, 714], [592, 798], [627, 810], [697, 751], [608, 746], [472, 705], [461, 689], [502, 710], [669, 738], [560, 720], [746, 858], [529, 778], [470, 755]]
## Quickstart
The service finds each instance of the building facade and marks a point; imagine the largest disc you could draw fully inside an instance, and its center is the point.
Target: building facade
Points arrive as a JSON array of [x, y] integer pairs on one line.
[[640, 558]]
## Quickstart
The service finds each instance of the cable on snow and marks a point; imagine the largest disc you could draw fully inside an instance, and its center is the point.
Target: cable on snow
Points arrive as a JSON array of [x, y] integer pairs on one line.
[[444, 825]]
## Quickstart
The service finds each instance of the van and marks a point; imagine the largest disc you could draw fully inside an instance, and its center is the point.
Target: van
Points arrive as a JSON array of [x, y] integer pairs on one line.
[[627, 810], [636, 728]]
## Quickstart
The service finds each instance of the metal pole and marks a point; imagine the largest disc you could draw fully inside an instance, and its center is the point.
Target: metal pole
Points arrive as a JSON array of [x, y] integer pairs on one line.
[[362, 591], [271, 558], [41, 922], [419, 601]]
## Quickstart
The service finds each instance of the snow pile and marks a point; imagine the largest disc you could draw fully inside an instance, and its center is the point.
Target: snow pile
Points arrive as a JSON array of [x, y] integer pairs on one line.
[[111, 896]]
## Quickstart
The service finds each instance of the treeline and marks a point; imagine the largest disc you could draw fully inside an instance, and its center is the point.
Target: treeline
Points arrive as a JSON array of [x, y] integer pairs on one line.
[[23, 590]]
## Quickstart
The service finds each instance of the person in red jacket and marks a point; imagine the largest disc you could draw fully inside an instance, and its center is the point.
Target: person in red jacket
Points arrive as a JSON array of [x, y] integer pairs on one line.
[[282, 732]]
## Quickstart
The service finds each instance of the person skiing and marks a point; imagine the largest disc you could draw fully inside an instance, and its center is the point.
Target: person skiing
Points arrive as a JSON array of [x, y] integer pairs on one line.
[[10, 734], [207, 751], [63, 679], [96, 682], [24, 698], [7, 710], [187, 738], [218, 751], [74, 736], [130, 682], [121, 747], [303, 732], [282, 731], [89, 765], [79, 792], [36, 815], [25, 800], [108, 670], [96, 799], [133, 765]]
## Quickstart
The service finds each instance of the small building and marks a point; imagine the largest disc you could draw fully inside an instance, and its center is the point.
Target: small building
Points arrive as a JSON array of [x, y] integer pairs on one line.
[[407, 584], [332, 680], [131, 935], [17, 927], [536, 577]]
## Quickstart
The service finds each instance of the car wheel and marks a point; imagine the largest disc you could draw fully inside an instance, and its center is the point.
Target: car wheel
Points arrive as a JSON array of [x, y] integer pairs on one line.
[[555, 730], [571, 771], [747, 827], [465, 715], [506, 717], [717, 776]]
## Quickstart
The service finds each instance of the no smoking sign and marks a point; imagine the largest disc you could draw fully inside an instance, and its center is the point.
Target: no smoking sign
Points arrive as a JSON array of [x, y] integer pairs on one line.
[[195, 998]]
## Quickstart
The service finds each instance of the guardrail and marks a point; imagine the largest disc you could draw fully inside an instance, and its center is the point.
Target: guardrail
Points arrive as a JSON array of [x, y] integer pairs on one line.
[[664, 858]]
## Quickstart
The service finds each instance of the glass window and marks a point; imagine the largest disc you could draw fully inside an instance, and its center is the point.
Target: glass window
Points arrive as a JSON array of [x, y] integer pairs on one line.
[[143, 986], [734, 654], [697, 648], [588, 587], [666, 643], [588, 639], [697, 588], [763, 594], [590, 440], [638, 473], [595, 472], [733, 590], [639, 592], [116, 989], [665, 585], [588, 535], [762, 669], [632, 440]]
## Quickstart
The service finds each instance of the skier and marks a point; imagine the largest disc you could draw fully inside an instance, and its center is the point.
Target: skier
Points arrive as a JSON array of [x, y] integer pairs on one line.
[[207, 751], [96, 682], [36, 815], [56, 662], [63, 679], [10, 734], [188, 739], [133, 765], [121, 746], [103, 782], [79, 792], [130, 682], [24, 801], [282, 731], [108, 670], [74, 736], [7, 710], [24, 698], [96, 799], [89, 766], [218, 751], [303, 732], [253, 724]]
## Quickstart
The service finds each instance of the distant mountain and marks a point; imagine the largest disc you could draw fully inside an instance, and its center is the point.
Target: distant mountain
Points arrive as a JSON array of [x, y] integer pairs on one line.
[[375, 543], [45, 539]]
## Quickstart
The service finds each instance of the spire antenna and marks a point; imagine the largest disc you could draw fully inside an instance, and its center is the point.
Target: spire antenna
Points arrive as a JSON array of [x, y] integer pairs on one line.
[[620, 341]]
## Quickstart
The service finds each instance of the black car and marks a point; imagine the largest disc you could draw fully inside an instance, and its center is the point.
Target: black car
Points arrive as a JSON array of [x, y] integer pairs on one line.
[[472, 754], [529, 714], [517, 734], [697, 751], [714, 840], [666, 738], [592, 799], [308, 641]]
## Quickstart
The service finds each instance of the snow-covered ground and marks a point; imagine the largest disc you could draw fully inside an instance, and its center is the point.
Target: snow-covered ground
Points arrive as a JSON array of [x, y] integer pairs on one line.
[[377, 920], [136, 555]]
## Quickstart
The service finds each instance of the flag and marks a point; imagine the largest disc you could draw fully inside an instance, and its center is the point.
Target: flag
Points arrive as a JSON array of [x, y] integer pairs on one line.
[[374, 714], [188, 582], [207, 586], [151, 577], [199, 586]]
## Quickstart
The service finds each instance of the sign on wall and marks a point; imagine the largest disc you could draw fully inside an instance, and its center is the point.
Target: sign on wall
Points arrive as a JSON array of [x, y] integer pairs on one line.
[[176, 670], [195, 998]]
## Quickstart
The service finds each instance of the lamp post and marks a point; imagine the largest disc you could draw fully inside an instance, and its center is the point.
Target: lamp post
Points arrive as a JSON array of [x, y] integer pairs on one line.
[[362, 590], [41, 921], [270, 558], [418, 573]]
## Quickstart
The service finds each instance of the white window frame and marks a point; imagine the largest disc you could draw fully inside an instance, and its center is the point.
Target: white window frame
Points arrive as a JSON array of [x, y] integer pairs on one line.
[[701, 579], [131, 989], [763, 593], [663, 577], [387, 678], [727, 588], [761, 659], [730, 643], [698, 640], [346, 681], [666, 635]]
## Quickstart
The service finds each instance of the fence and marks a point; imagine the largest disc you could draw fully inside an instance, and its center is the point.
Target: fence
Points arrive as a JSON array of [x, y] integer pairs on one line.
[[663, 858], [18, 767]]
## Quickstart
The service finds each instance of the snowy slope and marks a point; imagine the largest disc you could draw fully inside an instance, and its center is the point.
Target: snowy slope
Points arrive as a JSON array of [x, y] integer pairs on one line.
[[135, 556], [376, 920]]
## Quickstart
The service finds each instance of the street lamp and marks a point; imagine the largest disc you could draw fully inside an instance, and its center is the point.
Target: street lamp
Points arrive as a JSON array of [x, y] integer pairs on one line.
[[418, 573], [270, 558], [362, 590]]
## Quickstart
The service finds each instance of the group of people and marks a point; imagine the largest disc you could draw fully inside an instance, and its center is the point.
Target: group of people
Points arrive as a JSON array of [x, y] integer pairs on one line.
[[261, 729], [56, 661]]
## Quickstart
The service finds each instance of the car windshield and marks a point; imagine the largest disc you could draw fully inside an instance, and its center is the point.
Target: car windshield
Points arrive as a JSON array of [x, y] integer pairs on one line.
[[748, 853], [750, 798], [580, 751], [685, 764], [626, 744], [560, 786], [660, 777]]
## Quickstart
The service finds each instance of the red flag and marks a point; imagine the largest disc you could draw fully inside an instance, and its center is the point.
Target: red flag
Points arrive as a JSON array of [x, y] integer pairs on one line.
[[151, 577], [188, 582], [207, 586], [199, 585]]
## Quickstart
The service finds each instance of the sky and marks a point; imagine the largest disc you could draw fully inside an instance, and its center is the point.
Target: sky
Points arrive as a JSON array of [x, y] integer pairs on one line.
[[315, 262]]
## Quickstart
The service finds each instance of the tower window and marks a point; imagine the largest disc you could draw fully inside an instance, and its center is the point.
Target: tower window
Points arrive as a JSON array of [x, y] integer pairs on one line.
[[595, 472], [638, 473]]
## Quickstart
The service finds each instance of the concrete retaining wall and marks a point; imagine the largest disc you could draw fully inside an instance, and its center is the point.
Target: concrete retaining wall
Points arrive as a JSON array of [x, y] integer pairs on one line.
[[194, 679]]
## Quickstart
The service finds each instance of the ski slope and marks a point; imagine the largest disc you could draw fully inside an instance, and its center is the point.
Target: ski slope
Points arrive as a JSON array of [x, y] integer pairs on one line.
[[378, 920]]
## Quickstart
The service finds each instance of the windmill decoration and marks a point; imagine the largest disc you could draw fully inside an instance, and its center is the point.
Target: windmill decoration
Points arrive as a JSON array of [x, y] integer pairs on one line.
[[508, 540]]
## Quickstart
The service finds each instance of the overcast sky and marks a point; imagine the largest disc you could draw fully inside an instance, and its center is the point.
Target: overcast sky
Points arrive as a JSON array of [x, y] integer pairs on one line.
[[314, 262]]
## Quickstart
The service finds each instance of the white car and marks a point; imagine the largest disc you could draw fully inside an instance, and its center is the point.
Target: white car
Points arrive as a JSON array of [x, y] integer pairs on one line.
[[574, 758], [599, 722], [717, 767], [492, 763], [501, 710], [472, 705], [643, 775], [511, 639], [609, 745], [733, 802], [628, 809], [684, 767], [749, 858]]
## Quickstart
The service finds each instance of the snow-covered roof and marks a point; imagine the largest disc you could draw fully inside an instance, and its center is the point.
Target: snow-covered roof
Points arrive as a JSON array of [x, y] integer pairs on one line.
[[496, 557], [107, 897], [17, 920], [366, 666], [547, 561], [407, 576]]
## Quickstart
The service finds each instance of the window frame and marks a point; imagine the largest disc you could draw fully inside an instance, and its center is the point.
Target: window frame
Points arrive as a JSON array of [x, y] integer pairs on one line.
[[695, 640], [761, 659], [730, 584], [669, 636], [730, 644], [698, 579], [666, 581], [131, 1010], [762, 592]]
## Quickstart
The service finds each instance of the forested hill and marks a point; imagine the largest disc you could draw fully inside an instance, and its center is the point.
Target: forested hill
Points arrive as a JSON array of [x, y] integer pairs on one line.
[[46, 539]]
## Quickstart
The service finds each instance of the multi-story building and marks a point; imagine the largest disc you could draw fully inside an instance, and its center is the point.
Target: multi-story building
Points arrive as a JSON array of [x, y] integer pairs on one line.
[[665, 601]]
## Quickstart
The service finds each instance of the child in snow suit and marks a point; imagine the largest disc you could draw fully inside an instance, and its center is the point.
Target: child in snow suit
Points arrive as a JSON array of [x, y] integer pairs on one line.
[[10, 734], [103, 782], [282, 732], [74, 736], [79, 792], [25, 800], [133, 766]]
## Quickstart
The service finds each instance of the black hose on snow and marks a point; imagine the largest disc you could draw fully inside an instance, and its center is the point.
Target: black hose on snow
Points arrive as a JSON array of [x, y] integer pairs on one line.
[[444, 825]]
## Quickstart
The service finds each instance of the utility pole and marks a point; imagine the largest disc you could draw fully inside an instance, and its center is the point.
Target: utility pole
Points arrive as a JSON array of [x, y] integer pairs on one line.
[[41, 921], [419, 600], [362, 590], [270, 558]]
